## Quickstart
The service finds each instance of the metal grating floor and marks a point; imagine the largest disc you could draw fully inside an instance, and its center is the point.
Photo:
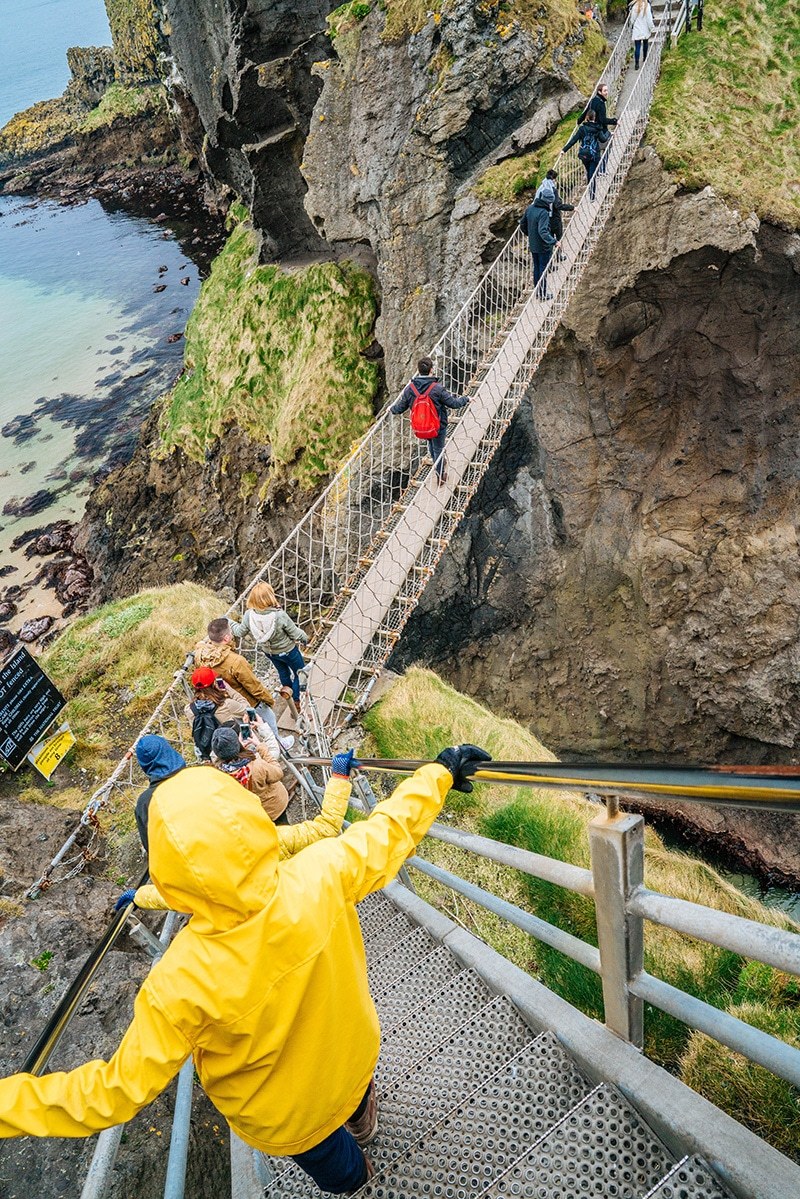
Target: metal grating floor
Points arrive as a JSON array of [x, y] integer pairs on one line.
[[474, 1105], [690, 1179]]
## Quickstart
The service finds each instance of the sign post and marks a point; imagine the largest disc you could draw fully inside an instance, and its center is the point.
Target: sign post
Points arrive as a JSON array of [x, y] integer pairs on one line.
[[29, 703]]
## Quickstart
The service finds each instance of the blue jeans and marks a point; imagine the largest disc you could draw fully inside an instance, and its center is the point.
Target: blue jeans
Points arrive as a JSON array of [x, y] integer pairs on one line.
[[435, 448], [540, 261], [337, 1163], [287, 666]]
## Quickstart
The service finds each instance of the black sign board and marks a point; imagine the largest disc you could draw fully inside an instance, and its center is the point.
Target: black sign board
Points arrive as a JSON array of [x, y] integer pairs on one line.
[[29, 703]]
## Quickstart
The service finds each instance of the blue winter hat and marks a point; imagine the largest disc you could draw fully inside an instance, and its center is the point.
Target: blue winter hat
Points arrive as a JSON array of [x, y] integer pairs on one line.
[[157, 758]]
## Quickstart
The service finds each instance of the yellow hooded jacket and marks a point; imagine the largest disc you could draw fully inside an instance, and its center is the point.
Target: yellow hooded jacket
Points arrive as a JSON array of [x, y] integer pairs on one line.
[[291, 837], [267, 984]]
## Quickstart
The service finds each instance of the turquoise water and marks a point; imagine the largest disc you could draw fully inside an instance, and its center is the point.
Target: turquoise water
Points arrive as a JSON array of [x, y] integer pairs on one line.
[[83, 345], [33, 46]]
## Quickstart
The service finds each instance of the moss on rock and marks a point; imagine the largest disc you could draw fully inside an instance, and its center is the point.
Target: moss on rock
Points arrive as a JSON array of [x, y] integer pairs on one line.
[[125, 102], [278, 354], [137, 39], [44, 126]]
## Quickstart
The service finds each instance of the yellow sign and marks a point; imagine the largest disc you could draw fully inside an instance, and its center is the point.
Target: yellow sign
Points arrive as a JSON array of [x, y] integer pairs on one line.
[[47, 754]]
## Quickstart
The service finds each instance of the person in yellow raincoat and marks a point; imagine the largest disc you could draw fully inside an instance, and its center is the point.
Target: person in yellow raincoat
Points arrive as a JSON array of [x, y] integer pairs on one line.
[[266, 986]]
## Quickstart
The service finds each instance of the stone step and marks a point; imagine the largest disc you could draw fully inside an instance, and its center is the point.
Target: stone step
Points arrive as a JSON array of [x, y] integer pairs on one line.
[[489, 1128], [691, 1178], [602, 1148]]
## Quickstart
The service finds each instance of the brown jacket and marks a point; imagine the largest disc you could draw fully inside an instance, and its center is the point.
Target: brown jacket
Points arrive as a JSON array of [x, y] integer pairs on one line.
[[266, 781], [234, 669]]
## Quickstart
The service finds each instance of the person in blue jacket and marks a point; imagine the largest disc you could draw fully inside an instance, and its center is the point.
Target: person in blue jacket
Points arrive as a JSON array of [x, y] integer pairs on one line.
[[541, 242]]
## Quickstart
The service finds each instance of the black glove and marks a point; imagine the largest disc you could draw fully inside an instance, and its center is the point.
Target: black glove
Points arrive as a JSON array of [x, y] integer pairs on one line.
[[461, 760]]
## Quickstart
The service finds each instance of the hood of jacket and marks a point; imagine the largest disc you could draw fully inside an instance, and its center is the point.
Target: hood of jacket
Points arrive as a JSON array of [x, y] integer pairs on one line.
[[262, 622], [546, 191], [213, 849], [211, 653], [157, 758]]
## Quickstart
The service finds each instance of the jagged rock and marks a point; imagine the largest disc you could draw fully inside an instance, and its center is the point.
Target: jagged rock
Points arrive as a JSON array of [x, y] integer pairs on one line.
[[397, 141], [7, 610], [29, 505], [7, 640], [32, 630]]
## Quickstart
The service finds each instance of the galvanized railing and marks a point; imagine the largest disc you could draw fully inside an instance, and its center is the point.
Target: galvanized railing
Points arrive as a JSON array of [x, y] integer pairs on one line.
[[622, 905]]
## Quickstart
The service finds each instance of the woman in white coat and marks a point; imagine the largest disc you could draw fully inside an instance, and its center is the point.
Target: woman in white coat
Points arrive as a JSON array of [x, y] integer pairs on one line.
[[643, 29]]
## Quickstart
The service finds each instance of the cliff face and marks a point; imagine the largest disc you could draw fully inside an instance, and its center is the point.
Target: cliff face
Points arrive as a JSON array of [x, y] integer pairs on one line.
[[627, 577]]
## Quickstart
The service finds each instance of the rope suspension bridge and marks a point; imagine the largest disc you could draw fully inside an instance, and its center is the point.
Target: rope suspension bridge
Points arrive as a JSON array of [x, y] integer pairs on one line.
[[490, 1085]]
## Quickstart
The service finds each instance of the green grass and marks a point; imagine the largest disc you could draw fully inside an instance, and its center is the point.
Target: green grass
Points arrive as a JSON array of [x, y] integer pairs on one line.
[[727, 107], [278, 354], [346, 16], [522, 175], [121, 101], [419, 716]]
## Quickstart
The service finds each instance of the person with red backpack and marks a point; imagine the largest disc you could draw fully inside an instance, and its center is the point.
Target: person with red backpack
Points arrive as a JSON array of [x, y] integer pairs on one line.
[[429, 402]]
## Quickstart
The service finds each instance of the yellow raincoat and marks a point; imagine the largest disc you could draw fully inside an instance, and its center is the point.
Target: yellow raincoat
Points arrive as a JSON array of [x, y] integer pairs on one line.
[[266, 986], [291, 837]]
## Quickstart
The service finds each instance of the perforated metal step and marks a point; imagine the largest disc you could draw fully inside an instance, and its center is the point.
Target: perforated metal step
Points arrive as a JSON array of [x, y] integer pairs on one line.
[[411, 992], [692, 1178], [490, 1129], [602, 1149], [374, 913], [461, 998], [404, 956], [387, 937], [420, 1099]]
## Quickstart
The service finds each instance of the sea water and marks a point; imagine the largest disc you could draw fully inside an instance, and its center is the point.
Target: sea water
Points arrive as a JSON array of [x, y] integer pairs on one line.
[[88, 300]]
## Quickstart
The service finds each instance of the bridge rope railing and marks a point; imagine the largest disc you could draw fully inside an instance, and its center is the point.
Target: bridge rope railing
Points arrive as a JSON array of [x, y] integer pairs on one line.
[[490, 350]]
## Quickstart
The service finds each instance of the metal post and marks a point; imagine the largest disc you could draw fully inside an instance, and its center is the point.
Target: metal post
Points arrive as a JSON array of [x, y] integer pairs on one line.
[[617, 849], [179, 1139], [688, 16]]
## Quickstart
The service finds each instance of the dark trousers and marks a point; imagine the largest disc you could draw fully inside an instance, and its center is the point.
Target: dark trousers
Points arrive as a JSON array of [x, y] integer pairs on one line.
[[591, 167], [287, 666], [436, 447], [337, 1163], [540, 261], [640, 46]]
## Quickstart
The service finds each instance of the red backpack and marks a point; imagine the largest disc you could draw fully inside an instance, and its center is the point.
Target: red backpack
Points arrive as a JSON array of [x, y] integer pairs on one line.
[[425, 420]]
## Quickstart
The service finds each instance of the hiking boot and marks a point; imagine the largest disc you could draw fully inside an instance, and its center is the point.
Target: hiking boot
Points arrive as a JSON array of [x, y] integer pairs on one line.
[[441, 479], [365, 1128], [370, 1173], [286, 742]]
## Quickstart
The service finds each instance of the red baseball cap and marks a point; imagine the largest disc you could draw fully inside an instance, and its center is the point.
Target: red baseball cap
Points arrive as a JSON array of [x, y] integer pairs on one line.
[[204, 676]]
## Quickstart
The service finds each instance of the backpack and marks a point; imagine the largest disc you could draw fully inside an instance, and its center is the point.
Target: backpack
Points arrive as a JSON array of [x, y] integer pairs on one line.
[[589, 147], [425, 420], [204, 725]]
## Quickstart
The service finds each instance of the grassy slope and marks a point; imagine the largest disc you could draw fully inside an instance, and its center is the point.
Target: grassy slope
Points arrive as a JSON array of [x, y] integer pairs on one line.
[[279, 355], [514, 176], [420, 715], [113, 665], [122, 101], [726, 108]]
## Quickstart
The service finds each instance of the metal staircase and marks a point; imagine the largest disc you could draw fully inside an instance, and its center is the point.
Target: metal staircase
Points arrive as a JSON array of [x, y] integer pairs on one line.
[[474, 1103]]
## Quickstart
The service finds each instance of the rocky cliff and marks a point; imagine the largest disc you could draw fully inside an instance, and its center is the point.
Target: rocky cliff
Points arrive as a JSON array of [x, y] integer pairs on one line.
[[627, 577]]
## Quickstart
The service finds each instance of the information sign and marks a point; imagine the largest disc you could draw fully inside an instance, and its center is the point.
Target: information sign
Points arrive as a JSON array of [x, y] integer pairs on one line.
[[47, 754], [29, 703]]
